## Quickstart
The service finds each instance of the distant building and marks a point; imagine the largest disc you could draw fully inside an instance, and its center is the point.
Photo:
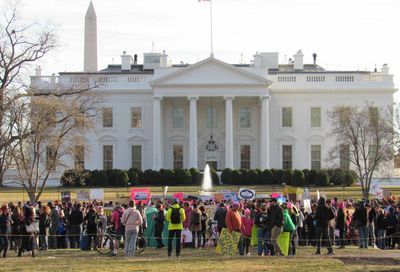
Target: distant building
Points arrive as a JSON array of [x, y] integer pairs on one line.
[[259, 115]]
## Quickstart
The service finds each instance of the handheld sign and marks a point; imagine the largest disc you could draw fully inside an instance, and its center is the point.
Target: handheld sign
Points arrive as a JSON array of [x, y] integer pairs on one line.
[[140, 194], [247, 194]]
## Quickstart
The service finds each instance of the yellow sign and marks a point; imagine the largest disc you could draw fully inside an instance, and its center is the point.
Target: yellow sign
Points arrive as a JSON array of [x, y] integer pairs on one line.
[[228, 243], [283, 242]]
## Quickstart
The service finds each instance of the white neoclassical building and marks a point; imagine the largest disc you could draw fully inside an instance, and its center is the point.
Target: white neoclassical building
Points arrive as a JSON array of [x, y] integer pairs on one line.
[[259, 115]]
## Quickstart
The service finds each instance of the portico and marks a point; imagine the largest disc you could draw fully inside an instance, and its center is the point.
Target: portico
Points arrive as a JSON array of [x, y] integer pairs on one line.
[[237, 96]]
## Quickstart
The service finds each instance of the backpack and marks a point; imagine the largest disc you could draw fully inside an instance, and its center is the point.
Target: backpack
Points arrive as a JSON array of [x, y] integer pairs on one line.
[[176, 216], [196, 218]]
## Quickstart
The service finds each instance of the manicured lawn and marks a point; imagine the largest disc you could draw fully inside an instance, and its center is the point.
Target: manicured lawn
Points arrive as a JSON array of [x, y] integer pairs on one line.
[[122, 194], [351, 259]]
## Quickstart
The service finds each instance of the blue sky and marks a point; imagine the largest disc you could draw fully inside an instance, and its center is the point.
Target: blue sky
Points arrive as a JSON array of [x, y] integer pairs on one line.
[[346, 34]]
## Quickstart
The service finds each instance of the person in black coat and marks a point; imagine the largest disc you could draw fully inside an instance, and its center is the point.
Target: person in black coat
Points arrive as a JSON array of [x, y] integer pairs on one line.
[[44, 227], [323, 216], [341, 225], [91, 226], [381, 229], [391, 225], [360, 218], [220, 216], [159, 219]]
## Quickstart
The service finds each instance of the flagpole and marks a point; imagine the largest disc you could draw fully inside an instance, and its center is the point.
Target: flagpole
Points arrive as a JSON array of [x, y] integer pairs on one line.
[[211, 26]]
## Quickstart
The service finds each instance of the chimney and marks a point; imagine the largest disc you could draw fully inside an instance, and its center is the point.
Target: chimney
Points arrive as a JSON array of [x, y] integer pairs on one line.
[[164, 60], [385, 69], [38, 71], [298, 60], [125, 62], [257, 60]]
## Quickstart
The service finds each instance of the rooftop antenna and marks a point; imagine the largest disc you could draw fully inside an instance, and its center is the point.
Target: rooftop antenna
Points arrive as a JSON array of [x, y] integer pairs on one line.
[[211, 28], [314, 58]]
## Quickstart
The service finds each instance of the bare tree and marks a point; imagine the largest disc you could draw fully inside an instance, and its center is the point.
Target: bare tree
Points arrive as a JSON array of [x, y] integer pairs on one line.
[[364, 137], [56, 127]]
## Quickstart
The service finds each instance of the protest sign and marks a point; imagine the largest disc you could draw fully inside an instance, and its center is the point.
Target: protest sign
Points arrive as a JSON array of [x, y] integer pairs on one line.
[[140, 194], [97, 194], [178, 196], [65, 197], [227, 243], [82, 196], [230, 196], [247, 194], [283, 242]]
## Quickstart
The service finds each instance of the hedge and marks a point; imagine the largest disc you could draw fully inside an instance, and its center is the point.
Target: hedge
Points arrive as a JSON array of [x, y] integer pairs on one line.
[[135, 177]]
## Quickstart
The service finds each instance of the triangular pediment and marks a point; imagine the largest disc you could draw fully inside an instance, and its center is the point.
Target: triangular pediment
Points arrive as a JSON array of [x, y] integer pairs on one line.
[[211, 72]]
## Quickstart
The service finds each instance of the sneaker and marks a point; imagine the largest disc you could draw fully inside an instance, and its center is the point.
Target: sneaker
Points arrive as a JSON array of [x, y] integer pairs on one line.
[[178, 257], [317, 253], [248, 254], [329, 253], [113, 255]]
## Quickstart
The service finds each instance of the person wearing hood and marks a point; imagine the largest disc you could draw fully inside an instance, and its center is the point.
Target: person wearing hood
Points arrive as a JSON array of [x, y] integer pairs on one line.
[[175, 217], [322, 218], [391, 223], [340, 224]]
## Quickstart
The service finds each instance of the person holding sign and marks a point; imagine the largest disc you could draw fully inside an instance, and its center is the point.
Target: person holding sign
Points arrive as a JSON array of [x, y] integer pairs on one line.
[[234, 223], [175, 217]]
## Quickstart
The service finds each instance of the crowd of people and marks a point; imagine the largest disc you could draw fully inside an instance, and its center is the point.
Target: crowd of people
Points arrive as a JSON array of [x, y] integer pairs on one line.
[[26, 227]]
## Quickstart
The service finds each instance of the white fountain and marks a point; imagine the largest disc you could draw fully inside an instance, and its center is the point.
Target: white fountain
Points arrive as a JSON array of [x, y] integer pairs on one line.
[[207, 184]]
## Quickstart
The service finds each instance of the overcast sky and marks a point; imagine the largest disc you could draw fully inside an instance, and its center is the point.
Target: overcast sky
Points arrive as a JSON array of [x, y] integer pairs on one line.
[[346, 34]]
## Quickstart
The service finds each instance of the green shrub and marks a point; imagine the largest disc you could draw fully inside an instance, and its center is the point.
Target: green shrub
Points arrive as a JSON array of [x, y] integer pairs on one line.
[[183, 177], [312, 176], [252, 177], [306, 173], [267, 177], [287, 177], [214, 177], [350, 177], [134, 176], [278, 173], [337, 176], [322, 178], [195, 174], [236, 177], [121, 178], [74, 177], [98, 178], [298, 178], [226, 176]]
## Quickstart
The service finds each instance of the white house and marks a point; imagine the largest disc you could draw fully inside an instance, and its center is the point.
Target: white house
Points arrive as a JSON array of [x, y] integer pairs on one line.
[[259, 115]]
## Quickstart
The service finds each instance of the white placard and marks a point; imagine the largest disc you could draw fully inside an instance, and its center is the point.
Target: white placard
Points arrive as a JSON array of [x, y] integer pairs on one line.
[[96, 194], [246, 194]]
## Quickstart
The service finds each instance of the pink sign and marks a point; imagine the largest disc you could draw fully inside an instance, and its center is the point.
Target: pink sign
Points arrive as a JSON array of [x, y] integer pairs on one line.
[[275, 195], [178, 196], [140, 194]]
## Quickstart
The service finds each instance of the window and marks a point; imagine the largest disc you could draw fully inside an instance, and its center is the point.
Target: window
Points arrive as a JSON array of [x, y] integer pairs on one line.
[[245, 156], [137, 157], [80, 120], [315, 117], [107, 157], [177, 118], [345, 114], [211, 118], [316, 157], [136, 117], [178, 156], [51, 157], [107, 117], [79, 157], [287, 117], [286, 157], [344, 157], [245, 118], [373, 116]]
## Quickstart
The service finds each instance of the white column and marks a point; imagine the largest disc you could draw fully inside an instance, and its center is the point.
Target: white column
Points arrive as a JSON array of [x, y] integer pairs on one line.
[[157, 153], [264, 132], [228, 132], [193, 148]]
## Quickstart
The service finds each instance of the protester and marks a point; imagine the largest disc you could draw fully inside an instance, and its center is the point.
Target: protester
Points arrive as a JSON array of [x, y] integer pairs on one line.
[[54, 225], [28, 238], [118, 227], [175, 217], [360, 218], [276, 223], [246, 230], [44, 227], [195, 225], [289, 225], [5, 226], [322, 218], [234, 224], [159, 219], [62, 231], [75, 224], [132, 219], [203, 218], [381, 229], [220, 216], [262, 223], [340, 225]]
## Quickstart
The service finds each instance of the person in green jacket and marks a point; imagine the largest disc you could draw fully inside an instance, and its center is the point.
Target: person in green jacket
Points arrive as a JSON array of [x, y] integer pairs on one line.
[[175, 217], [289, 226]]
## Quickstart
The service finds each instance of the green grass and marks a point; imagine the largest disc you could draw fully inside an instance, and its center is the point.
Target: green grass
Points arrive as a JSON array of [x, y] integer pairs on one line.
[[351, 259], [121, 194]]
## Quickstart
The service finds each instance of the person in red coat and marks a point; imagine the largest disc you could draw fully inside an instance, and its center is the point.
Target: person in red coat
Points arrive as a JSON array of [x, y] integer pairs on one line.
[[234, 223]]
